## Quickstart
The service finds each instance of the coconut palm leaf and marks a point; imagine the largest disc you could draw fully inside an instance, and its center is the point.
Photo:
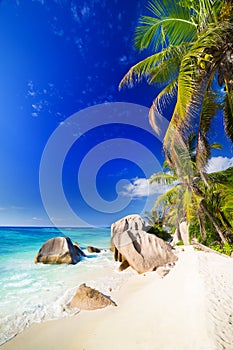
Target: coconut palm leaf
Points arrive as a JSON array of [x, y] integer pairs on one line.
[[171, 24], [195, 80], [203, 31], [208, 11], [188, 96], [208, 111], [163, 178], [222, 177], [165, 97], [155, 68], [177, 151], [166, 199], [165, 72]]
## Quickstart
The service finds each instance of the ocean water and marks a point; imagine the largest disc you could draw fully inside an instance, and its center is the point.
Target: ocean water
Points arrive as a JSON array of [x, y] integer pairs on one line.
[[37, 292]]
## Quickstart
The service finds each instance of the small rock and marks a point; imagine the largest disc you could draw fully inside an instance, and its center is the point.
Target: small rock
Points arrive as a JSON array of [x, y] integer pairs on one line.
[[162, 272], [93, 249], [87, 298]]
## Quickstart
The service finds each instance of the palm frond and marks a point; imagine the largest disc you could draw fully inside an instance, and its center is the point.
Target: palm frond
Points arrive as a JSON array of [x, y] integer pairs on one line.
[[165, 199], [163, 178], [216, 145], [189, 92], [207, 12], [208, 111], [222, 178], [164, 72], [155, 67], [177, 151], [164, 98], [193, 82], [171, 24]]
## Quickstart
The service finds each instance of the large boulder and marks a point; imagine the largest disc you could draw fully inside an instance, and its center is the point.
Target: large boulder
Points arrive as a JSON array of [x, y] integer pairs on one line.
[[87, 298], [134, 246], [59, 250]]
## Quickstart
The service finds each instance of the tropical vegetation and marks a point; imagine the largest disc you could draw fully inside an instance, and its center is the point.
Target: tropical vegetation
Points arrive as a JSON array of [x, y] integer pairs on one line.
[[192, 61]]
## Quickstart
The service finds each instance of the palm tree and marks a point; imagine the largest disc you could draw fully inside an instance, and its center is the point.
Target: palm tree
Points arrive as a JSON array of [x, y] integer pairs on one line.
[[196, 45], [193, 45], [187, 198], [184, 201], [174, 204]]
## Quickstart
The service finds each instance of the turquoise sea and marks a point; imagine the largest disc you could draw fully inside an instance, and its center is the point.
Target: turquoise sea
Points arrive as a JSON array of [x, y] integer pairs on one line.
[[36, 292]]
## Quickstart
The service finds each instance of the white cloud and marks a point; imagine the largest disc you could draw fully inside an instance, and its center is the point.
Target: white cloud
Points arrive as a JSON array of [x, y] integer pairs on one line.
[[219, 164], [36, 218], [123, 59], [86, 11], [141, 187], [74, 11]]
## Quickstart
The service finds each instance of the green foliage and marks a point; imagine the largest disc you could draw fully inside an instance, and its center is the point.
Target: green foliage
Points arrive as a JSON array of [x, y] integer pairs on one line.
[[180, 243], [210, 237], [196, 45], [194, 231], [225, 248], [192, 48], [224, 177], [220, 196], [170, 22], [157, 230]]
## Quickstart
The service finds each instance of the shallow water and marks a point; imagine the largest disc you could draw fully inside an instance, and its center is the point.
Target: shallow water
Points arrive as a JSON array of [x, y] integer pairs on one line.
[[36, 292]]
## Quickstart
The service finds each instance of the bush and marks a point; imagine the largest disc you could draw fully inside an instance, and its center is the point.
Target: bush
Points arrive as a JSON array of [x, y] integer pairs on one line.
[[160, 232], [180, 243], [225, 248]]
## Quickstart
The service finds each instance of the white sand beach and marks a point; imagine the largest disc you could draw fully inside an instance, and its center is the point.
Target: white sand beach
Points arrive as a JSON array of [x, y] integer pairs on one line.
[[191, 308]]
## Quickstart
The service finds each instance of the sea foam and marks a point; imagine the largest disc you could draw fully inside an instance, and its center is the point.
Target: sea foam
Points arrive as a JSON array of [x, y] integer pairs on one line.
[[33, 293]]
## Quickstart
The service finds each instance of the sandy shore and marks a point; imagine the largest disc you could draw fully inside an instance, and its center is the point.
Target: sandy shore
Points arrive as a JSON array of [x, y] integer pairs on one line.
[[190, 308]]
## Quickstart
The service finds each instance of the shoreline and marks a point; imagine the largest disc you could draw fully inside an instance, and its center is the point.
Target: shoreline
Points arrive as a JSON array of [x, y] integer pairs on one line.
[[153, 313], [37, 292]]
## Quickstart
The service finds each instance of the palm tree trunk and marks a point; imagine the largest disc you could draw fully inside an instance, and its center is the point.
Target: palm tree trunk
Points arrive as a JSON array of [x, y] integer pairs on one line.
[[202, 225], [211, 218], [204, 179], [224, 220], [178, 231]]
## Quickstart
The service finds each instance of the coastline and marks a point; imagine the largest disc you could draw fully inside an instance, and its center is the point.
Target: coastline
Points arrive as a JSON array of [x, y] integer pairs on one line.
[[153, 313]]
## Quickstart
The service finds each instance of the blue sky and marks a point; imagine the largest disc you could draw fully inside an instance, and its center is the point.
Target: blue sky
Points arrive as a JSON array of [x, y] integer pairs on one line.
[[59, 58]]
